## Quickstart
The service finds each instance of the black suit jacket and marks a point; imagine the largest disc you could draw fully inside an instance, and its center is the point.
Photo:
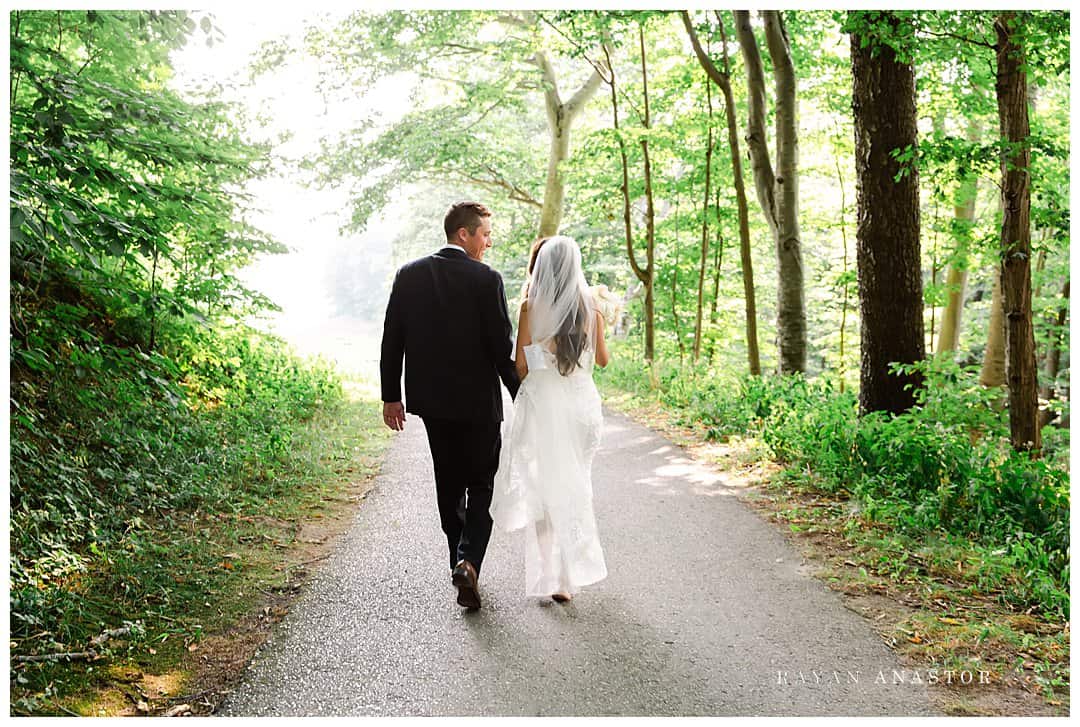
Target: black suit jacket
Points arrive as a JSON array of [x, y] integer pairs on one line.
[[447, 316]]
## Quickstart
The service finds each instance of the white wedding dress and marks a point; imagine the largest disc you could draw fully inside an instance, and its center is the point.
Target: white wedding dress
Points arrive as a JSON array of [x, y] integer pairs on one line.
[[544, 481]]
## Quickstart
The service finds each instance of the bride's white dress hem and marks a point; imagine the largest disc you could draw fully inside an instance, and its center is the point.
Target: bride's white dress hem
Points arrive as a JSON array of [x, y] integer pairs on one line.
[[544, 482]]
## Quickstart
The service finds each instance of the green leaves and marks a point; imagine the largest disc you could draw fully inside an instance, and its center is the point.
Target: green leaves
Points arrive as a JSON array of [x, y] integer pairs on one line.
[[109, 164], [880, 29]]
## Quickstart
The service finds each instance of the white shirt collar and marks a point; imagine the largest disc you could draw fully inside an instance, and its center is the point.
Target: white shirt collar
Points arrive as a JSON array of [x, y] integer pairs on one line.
[[456, 247]]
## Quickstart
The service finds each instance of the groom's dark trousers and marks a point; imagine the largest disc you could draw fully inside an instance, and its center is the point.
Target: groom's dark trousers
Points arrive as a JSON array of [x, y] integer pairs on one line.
[[447, 317], [466, 456]]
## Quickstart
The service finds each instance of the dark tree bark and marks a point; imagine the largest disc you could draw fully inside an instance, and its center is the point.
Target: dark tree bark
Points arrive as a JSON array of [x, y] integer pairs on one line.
[[1020, 372], [718, 257], [887, 241], [650, 209], [675, 291]]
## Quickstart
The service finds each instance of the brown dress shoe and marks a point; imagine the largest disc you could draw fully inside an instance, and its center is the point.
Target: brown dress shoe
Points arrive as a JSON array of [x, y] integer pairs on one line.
[[464, 577]]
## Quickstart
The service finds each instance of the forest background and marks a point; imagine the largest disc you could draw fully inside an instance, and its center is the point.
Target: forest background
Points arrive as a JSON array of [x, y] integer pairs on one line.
[[730, 180]]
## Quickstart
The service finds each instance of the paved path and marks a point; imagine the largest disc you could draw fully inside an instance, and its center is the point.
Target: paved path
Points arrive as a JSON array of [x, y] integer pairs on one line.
[[706, 611]]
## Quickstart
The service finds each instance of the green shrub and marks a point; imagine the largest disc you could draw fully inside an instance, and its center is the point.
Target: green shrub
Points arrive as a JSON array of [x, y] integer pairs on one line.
[[105, 438]]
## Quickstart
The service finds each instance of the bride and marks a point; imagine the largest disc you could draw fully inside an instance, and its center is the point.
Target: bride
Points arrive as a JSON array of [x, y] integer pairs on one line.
[[544, 481]]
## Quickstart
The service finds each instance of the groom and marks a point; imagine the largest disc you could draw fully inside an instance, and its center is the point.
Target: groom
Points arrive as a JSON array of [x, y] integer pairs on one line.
[[447, 316]]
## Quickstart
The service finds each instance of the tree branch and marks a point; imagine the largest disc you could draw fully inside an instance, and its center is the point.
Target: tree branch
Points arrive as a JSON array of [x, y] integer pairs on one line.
[[483, 115], [462, 48], [638, 272], [73, 655], [510, 19], [551, 83], [515, 193], [961, 38], [711, 70], [764, 177], [69, 655], [578, 100], [597, 66]]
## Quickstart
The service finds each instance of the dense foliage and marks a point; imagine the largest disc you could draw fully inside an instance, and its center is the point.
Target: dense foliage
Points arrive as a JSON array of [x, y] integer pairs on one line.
[[138, 399], [461, 138]]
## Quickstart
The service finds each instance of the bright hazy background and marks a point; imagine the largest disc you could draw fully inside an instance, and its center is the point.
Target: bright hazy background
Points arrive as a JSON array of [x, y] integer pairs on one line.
[[287, 101]]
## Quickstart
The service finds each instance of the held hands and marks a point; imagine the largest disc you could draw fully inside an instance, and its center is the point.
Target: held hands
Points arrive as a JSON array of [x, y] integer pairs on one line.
[[393, 414]]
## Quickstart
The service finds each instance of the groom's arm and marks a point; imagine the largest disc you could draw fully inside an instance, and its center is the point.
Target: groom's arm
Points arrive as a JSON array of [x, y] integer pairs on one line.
[[393, 345], [500, 334]]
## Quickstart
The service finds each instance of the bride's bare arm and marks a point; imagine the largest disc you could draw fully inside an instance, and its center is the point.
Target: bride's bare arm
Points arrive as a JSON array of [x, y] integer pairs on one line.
[[602, 355], [523, 340]]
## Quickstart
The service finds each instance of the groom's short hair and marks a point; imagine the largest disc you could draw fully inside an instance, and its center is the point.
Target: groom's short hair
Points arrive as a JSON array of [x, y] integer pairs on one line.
[[464, 214]]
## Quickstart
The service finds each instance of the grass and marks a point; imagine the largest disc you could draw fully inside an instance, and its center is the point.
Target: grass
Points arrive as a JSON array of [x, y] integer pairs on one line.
[[944, 599], [196, 575]]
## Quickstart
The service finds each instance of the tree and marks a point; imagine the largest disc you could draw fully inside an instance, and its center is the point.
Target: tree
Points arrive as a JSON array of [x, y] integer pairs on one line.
[[964, 219], [475, 135], [647, 273], [992, 373], [888, 259], [723, 81], [560, 115], [1053, 355], [778, 191], [704, 257], [1020, 371], [123, 174]]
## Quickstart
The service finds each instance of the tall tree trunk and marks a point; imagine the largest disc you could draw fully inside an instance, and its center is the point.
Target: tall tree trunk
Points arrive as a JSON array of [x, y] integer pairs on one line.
[[778, 192], [1053, 354], [650, 210], [643, 274], [715, 298], [675, 291], [153, 301], [704, 227], [723, 80], [993, 366], [956, 282], [934, 271], [560, 117], [1020, 372], [1037, 283], [842, 368], [1040, 263], [888, 257]]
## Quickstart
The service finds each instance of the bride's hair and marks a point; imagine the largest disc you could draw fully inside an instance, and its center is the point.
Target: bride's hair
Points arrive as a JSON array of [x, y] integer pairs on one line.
[[568, 305], [532, 264], [536, 251], [571, 340]]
